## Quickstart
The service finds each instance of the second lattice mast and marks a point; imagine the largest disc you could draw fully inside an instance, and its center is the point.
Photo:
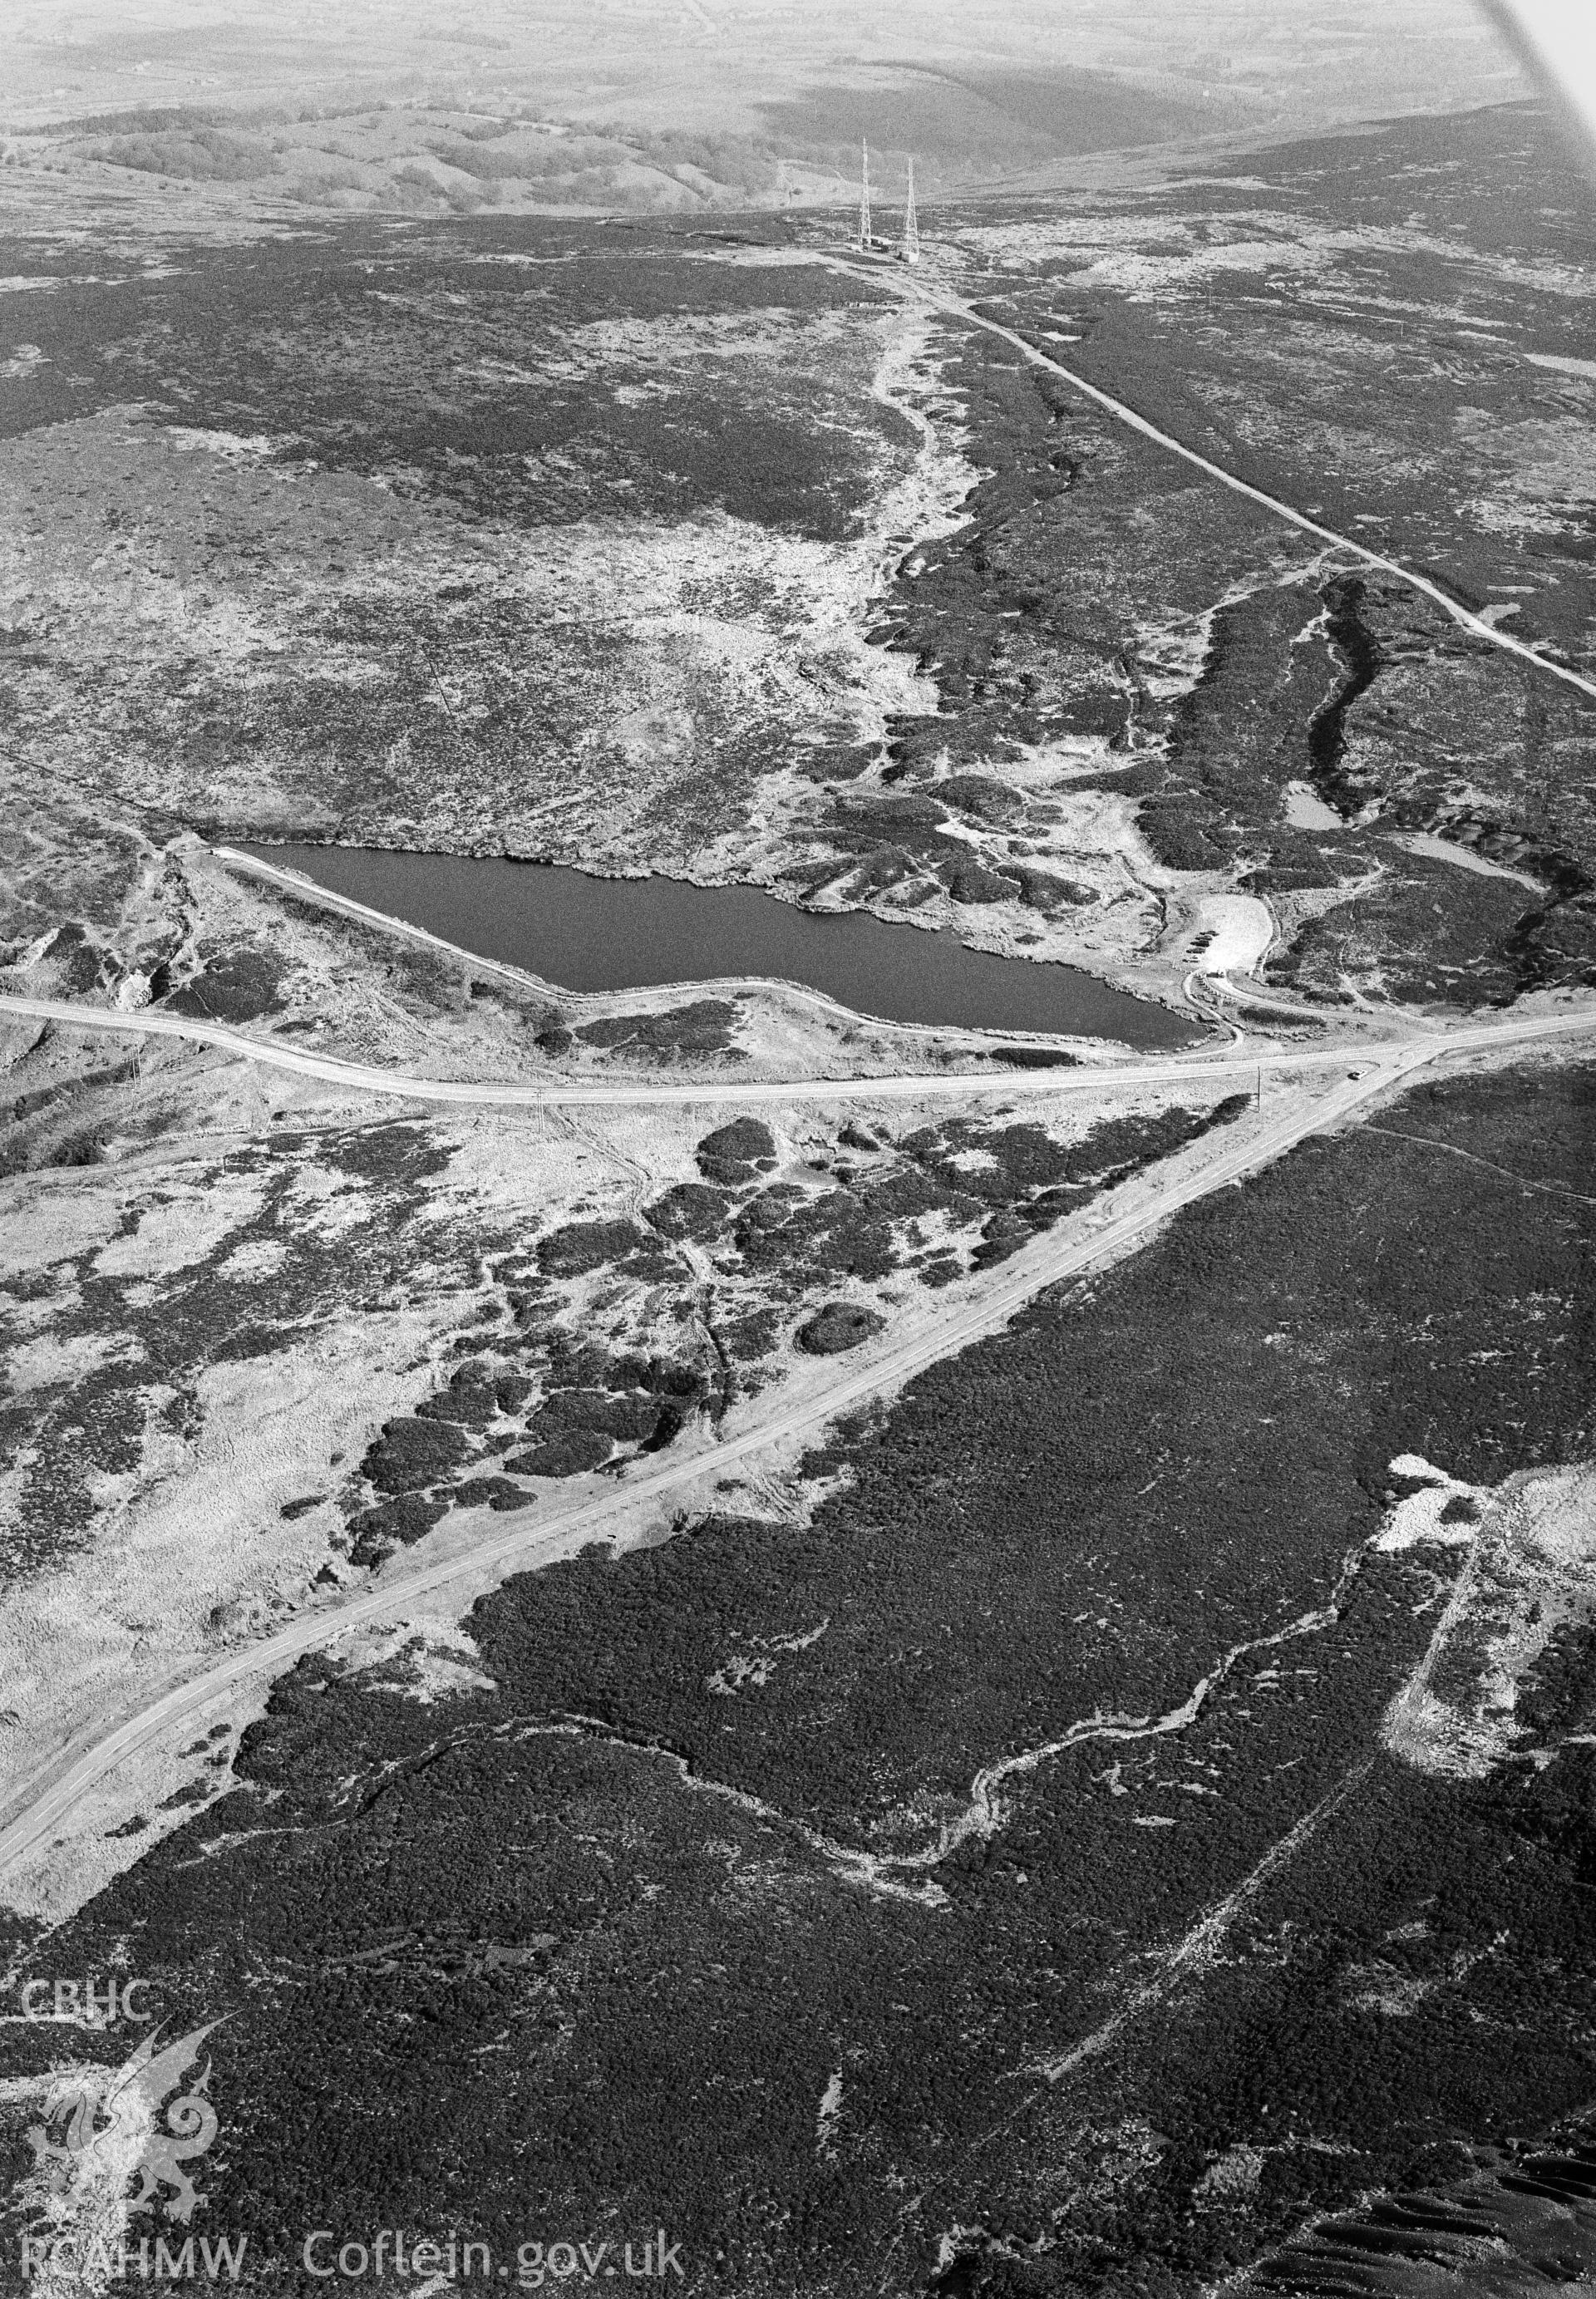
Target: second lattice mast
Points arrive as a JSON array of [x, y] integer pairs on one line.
[[909, 247], [864, 195]]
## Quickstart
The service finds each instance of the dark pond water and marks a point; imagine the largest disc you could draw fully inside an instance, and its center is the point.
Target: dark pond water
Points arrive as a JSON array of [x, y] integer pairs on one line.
[[632, 933]]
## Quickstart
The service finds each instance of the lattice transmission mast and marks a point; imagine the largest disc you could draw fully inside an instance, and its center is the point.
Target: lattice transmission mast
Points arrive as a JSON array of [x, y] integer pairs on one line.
[[909, 249], [864, 195]]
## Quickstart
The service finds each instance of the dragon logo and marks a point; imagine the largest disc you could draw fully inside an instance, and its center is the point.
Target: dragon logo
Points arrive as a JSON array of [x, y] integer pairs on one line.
[[95, 2156]]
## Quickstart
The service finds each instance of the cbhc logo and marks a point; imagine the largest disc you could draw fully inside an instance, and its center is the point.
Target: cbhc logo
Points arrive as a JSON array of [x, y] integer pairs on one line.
[[85, 2000]]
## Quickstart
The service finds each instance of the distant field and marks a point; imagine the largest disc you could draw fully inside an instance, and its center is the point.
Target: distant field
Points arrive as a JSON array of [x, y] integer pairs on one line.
[[627, 106]]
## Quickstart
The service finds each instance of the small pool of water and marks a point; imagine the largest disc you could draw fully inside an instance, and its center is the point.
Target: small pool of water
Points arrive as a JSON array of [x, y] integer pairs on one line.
[[632, 934], [1305, 809]]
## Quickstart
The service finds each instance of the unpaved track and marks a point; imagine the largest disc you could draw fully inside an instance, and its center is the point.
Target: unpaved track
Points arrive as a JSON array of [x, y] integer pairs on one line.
[[917, 290], [41, 1808]]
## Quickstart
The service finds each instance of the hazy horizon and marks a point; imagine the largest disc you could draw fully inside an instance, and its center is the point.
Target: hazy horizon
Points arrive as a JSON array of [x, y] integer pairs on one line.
[[772, 95]]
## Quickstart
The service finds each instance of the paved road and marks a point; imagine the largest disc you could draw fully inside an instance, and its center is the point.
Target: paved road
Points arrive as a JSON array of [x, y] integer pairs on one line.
[[916, 289], [41, 1808], [566, 1092]]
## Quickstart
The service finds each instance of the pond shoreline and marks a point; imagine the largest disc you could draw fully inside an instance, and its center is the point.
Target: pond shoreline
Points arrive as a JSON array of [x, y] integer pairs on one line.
[[589, 934]]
